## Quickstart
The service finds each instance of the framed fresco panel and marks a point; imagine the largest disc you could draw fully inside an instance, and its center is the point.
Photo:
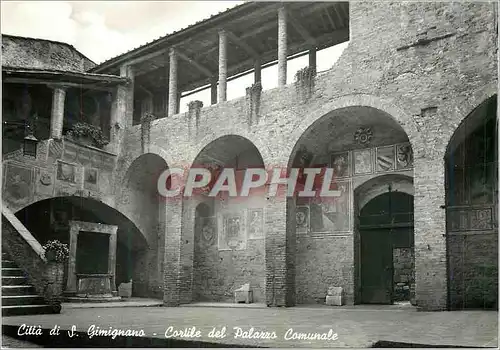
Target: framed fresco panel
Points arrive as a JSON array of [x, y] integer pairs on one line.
[[255, 222], [232, 231], [385, 159], [302, 218], [404, 156], [66, 172], [340, 165], [363, 161]]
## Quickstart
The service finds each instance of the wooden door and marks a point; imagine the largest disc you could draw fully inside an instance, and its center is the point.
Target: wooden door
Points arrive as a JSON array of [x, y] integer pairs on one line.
[[376, 266]]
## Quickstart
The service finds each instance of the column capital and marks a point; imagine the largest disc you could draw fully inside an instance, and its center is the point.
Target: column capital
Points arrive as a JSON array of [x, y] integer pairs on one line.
[[172, 52], [57, 87]]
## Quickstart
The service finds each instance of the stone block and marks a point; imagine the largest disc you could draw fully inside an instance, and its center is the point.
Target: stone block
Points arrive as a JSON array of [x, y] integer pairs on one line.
[[125, 290], [334, 300], [243, 294]]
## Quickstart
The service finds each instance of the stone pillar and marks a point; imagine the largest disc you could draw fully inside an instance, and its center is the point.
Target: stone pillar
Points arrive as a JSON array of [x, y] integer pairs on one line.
[[172, 84], [57, 115], [71, 280], [213, 91], [112, 260], [282, 46], [222, 66], [173, 242], [280, 253], [257, 72], [431, 278], [312, 58], [122, 110]]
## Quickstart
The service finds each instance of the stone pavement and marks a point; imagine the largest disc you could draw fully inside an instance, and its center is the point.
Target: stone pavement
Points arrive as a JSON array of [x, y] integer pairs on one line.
[[358, 327]]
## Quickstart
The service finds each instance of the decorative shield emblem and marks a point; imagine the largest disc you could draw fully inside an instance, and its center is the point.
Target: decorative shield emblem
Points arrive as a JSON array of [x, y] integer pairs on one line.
[[208, 229]]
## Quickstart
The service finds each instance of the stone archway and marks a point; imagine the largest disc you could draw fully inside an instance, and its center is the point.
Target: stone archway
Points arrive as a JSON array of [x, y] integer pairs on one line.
[[139, 199], [384, 240], [221, 248], [50, 219], [471, 168], [359, 143]]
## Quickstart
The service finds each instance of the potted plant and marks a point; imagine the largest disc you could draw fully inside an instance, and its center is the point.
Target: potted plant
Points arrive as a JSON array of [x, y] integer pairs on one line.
[[57, 254], [87, 134]]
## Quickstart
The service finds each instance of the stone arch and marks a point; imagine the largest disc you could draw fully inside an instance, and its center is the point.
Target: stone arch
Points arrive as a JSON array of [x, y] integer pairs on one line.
[[464, 109], [48, 219], [397, 113], [327, 139], [471, 186], [138, 196], [213, 267], [366, 191], [210, 138]]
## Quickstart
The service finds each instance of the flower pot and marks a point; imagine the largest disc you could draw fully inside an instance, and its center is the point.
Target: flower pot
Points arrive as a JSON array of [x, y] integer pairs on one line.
[[50, 255]]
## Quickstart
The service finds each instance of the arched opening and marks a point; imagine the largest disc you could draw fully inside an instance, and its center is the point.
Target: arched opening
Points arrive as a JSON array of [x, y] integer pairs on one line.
[[385, 246], [50, 220], [140, 200], [472, 210], [359, 143], [223, 235]]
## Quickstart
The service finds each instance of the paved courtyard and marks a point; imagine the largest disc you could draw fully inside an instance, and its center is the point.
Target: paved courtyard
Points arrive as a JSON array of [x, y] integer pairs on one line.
[[355, 326]]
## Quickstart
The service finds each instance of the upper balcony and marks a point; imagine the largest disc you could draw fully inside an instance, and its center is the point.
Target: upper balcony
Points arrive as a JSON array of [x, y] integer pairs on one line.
[[231, 46]]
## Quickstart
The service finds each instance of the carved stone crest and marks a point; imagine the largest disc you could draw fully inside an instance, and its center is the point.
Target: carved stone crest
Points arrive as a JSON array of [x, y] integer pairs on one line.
[[46, 179], [363, 136]]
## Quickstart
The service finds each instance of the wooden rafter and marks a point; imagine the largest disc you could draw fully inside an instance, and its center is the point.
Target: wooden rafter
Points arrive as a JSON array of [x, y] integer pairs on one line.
[[330, 19], [194, 63], [145, 57], [241, 43], [14, 80], [304, 33]]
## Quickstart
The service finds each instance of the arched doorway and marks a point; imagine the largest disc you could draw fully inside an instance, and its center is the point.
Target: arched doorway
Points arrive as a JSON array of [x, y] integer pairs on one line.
[[359, 143], [50, 220], [472, 210], [224, 235], [140, 200], [386, 249]]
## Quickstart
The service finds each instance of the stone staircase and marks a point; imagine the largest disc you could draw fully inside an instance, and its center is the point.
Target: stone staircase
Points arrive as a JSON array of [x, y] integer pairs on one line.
[[18, 296]]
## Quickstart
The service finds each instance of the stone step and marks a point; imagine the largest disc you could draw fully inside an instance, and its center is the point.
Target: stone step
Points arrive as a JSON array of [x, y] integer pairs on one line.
[[25, 289], [13, 280], [8, 263], [11, 300], [12, 271], [15, 310]]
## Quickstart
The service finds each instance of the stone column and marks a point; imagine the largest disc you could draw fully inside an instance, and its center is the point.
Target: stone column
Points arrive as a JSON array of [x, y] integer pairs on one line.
[[312, 58], [431, 278], [282, 46], [71, 280], [173, 242], [257, 72], [122, 110], [172, 84], [57, 115], [222, 66], [213, 91], [280, 253], [112, 259]]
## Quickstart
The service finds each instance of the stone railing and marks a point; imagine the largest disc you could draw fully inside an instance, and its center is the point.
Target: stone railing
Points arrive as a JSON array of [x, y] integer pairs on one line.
[[29, 255]]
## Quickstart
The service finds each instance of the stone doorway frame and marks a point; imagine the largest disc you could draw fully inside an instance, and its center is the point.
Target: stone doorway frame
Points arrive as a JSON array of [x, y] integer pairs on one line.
[[80, 226], [363, 193]]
